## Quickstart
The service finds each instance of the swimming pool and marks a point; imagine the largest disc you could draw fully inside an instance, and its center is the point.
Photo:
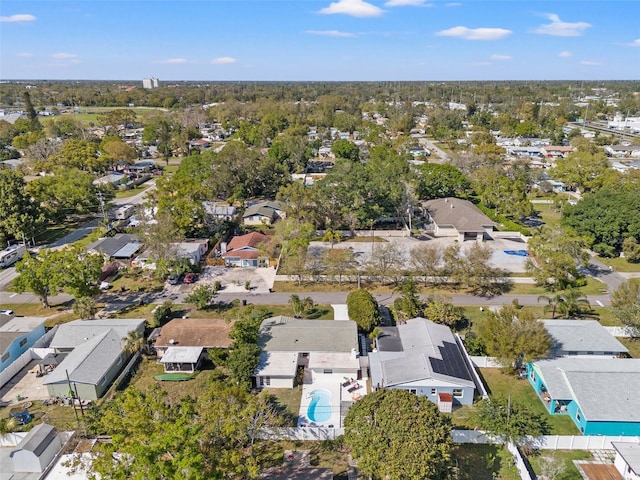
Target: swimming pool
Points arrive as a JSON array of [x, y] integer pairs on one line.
[[320, 407]]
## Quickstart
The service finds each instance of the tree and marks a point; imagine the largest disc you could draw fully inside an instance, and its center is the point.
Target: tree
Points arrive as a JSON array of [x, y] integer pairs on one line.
[[569, 304], [631, 249], [40, 275], [85, 307], [581, 170], [363, 309], [19, 213], [161, 314], [339, 262], [387, 258], [440, 311], [557, 252], [376, 432], [346, 149], [514, 337], [201, 296], [511, 421], [440, 181], [477, 271], [68, 191], [79, 270], [625, 304], [409, 304], [134, 342], [242, 363], [426, 260]]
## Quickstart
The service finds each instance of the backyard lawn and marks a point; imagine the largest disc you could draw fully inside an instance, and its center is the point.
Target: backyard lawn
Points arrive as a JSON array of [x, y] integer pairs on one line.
[[484, 462], [502, 385], [542, 462]]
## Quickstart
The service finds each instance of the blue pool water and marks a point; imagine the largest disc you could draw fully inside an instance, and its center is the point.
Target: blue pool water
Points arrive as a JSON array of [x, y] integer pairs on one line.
[[320, 407]]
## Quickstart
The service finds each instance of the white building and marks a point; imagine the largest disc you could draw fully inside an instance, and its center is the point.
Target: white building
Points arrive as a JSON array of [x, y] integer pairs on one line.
[[150, 83]]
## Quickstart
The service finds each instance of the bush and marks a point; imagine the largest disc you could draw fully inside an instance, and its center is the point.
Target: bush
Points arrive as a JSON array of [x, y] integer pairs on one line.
[[363, 309]]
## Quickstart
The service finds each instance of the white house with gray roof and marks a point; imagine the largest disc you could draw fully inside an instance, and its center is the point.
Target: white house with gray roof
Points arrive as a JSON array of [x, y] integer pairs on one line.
[[96, 356], [627, 459], [323, 347], [425, 358], [601, 395], [454, 217], [582, 338]]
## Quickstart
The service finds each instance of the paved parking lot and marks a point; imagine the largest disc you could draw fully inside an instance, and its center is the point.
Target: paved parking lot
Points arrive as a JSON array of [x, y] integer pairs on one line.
[[500, 259]]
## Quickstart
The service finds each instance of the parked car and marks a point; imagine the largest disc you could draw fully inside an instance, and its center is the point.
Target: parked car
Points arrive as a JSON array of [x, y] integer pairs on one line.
[[174, 279], [190, 278], [7, 312]]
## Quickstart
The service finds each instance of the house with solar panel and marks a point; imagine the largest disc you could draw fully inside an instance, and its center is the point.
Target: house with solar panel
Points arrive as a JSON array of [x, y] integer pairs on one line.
[[424, 358]]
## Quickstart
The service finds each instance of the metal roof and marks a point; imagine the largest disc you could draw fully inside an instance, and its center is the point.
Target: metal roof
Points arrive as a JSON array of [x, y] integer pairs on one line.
[[630, 452], [182, 355], [128, 251], [37, 440], [581, 336], [76, 332]]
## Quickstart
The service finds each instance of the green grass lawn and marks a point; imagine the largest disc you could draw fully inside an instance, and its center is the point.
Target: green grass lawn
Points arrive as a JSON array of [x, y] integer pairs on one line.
[[484, 462], [620, 264], [502, 385], [567, 470], [288, 402], [633, 344]]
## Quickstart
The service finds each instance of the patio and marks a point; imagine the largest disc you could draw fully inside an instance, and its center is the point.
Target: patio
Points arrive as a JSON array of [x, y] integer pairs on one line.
[[25, 385]]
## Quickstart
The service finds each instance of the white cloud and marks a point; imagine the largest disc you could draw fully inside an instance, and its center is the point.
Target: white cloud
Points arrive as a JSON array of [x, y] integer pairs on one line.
[[63, 55], [565, 54], [475, 33], [172, 61], [500, 57], [331, 33], [18, 18], [223, 60], [407, 3], [590, 63], [635, 43], [355, 8], [25, 54], [453, 4], [558, 28]]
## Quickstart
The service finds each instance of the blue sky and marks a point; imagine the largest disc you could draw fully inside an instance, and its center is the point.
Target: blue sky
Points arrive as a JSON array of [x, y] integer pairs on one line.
[[320, 40]]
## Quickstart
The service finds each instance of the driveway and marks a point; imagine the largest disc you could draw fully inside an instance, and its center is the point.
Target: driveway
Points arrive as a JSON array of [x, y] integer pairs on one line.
[[233, 280]]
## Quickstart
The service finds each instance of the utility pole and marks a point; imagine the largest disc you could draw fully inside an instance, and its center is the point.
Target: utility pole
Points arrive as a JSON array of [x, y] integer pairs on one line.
[[104, 213]]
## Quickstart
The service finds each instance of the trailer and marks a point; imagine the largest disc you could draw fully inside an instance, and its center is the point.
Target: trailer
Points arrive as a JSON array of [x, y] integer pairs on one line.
[[11, 255], [125, 212]]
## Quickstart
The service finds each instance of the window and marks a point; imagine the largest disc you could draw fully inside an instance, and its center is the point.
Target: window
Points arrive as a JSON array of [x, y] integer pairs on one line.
[[327, 371], [532, 374], [578, 415], [457, 392], [103, 381], [6, 357], [265, 381], [23, 342], [413, 390], [434, 391]]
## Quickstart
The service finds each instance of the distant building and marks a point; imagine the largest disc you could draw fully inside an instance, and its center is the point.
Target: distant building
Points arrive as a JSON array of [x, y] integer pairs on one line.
[[150, 83]]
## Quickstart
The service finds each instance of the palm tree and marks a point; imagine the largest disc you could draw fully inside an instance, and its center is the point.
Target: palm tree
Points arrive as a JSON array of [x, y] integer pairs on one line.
[[134, 342], [569, 304], [85, 307], [552, 303], [7, 426]]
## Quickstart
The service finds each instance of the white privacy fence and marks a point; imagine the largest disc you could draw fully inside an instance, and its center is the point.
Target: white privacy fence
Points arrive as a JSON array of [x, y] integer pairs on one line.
[[621, 331], [571, 442], [302, 433], [519, 462], [485, 362]]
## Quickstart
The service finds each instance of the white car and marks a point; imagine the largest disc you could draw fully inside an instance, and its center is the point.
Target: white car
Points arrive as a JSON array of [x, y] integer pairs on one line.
[[7, 312]]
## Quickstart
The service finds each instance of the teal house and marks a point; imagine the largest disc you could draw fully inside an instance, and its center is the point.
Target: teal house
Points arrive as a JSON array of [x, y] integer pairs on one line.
[[600, 394], [17, 335]]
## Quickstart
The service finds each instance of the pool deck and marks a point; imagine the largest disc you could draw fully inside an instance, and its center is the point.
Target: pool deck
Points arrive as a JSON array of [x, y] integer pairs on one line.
[[332, 383]]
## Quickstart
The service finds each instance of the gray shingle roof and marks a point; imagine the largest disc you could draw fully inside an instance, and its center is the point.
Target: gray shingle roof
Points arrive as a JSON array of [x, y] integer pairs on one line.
[[581, 336], [461, 214], [607, 389], [286, 334]]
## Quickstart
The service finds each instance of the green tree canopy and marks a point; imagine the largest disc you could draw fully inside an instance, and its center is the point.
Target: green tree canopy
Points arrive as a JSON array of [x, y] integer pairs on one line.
[[363, 309], [20, 215], [514, 336], [626, 305], [512, 421], [437, 180], [376, 430], [346, 149]]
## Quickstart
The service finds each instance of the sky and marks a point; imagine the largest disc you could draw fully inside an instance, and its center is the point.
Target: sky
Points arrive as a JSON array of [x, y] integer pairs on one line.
[[320, 40]]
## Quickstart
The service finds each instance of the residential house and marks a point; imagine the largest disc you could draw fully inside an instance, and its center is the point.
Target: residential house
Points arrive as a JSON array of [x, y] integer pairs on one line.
[[600, 395], [425, 358], [264, 213], [623, 150], [454, 217], [219, 211], [95, 357], [37, 450], [573, 338], [122, 246], [193, 332], [627, 459], [17, 335], [320, 347], [556, 151], [243, 251]]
